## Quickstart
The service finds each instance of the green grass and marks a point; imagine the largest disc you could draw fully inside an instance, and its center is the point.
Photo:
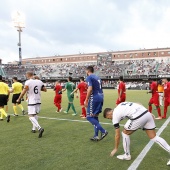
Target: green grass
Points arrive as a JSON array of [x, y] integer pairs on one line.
[[66, 145]]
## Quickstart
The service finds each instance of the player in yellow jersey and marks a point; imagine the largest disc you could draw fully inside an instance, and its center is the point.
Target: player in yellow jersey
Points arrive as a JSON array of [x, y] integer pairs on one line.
[[16, 90], [4, 90], [160, 92]]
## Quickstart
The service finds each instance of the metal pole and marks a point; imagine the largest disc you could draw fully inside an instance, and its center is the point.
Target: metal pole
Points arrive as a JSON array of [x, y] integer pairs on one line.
[[19, 44]]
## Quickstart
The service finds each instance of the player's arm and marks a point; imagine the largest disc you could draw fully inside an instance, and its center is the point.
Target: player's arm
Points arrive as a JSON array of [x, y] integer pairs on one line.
[[12, 89], [23, 93], [89, 91], [75, 91], [43, 88], [117, 139]]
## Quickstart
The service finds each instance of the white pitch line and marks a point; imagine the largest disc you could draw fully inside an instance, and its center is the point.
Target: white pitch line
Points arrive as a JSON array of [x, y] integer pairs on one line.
[[143, 153]]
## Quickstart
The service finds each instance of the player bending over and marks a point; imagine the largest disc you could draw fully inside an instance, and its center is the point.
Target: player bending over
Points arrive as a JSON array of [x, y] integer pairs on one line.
[[94, 103], [82, 87], [58, 96], [138, 118], [16, 90], [33, 88], [155, 98], [4, 90], [70, 87]]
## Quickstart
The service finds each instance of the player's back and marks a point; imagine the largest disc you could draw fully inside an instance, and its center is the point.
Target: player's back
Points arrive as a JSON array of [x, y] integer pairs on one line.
[[154, 87], [3, 88], [70, 86], [58, 88], [82, 88], [167, 89], [17, 87], [34, 91], [122, 87]]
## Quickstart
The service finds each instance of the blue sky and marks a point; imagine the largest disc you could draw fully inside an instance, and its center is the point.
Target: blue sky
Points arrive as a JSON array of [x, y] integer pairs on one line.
[[71, 26]]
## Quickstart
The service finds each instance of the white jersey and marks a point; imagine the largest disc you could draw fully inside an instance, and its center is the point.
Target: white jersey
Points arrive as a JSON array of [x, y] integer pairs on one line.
[[127, 110], [34, 91]]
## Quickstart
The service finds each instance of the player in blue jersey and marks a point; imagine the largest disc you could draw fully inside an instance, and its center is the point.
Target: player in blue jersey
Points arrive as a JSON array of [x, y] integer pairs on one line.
[[94, 103]]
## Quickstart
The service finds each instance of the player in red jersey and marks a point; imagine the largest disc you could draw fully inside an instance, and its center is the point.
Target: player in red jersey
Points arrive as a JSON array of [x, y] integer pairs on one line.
[[58, 96], [121, 91], [155, 98], [82, 87], [166, 85]]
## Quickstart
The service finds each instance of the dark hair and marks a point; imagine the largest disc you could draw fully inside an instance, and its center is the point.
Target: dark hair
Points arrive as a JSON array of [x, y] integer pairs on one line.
[[15, 78], [0, 77], [121, 78], [70, 78], [90, 68], [160, 82], [82, 78], [106, 111]]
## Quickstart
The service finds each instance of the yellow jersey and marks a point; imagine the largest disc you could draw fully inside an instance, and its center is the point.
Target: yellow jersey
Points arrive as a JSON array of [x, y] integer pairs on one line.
[[160, 89], [4, 88], [17, 87]]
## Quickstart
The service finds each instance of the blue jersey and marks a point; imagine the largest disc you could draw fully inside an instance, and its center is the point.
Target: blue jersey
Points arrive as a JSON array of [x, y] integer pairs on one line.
[[96, 84]]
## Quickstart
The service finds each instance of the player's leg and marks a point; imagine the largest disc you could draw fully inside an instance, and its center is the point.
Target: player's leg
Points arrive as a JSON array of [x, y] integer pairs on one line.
[[71, 99], [14, 98], [82, 100], [166, 103], [20, 105], [150, 105], [156, 103], [56, 103]]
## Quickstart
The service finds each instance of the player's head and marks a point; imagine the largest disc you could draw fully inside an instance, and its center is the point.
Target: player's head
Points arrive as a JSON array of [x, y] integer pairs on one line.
[[0, 77], [164, 80], [70, 79], [81, 79], [89, 70], [58, 82], [107, 113], [14, 79], [29, 74], [36, 77], [121, 78], [159, 82]]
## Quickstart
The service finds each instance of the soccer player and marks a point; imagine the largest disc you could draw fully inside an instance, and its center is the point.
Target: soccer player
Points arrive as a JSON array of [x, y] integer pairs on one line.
[[33, 88], [82, 87], [4, 90], [70, 87], [166, 96], [16, 90], [94, 103], [138, 118], [160, 92], [58, 96], [121, 91], [155, 98]]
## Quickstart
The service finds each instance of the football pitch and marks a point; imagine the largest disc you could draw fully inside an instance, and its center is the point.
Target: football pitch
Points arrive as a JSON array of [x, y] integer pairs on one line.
[[65, 144]]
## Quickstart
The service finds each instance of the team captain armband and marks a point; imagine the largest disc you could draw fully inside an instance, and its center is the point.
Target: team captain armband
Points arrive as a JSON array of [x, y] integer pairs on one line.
[[42, 87], [116, 126]]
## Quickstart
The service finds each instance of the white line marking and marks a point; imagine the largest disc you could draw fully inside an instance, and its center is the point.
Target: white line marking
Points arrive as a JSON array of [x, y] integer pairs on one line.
[[143, 153], [71, 120]]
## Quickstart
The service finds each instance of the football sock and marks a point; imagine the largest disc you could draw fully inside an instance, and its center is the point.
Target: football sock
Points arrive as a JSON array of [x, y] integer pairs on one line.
[[21, 107], [150, 109], [165, 110], [34, 127], [159, 111], [84, 111], [3, 113], [161, 143], [35, 122], [15, 109], [96, 131], [68, 108], [73, 108], [126, 143], [2, 116]]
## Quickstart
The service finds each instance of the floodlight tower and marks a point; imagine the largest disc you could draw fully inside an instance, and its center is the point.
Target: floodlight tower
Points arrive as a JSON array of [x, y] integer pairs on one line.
[[19, 22]]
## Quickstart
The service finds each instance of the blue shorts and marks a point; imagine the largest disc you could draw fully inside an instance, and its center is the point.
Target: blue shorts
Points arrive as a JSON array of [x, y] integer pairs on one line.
[[94, 107]]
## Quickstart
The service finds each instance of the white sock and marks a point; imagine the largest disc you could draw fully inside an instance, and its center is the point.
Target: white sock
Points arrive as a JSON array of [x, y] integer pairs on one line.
[[126, 143], [161, 143], [35, 122], [36, 117]]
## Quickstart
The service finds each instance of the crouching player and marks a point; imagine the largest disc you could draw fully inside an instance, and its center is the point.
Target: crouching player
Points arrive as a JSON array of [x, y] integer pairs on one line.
[[139, 118]]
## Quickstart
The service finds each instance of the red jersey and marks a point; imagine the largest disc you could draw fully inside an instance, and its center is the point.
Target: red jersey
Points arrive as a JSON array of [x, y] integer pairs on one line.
[[82, 88], [167, 89], [57, 89], [122, 87], [154, 87]]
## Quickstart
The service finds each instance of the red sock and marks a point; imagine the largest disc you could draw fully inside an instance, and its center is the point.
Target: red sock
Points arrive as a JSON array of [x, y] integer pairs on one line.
[[58, 106], [165, 110], [150, 108], [84, 111], [159, 111]]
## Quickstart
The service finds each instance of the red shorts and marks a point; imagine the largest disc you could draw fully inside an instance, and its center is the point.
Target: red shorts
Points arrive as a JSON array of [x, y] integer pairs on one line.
[[155, 100], [122, 99], [57, 99], [167, 101], [82, 99]]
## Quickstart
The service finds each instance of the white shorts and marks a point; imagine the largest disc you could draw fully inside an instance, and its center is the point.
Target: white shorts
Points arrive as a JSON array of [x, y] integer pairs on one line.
[[145, 122], [35, 109]]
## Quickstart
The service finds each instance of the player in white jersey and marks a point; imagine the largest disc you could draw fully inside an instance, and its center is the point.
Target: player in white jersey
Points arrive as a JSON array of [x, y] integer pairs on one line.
[[33, 88], [138, 118]]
